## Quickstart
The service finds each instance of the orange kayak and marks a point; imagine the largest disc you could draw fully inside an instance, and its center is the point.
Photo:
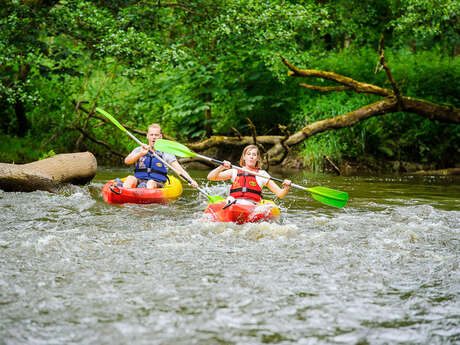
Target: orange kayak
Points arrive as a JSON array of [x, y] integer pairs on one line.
[[241, 213], [113, 194]]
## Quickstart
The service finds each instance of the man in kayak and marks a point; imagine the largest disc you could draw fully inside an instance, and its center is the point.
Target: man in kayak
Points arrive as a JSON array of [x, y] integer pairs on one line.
[[247, 187], [149, 169]]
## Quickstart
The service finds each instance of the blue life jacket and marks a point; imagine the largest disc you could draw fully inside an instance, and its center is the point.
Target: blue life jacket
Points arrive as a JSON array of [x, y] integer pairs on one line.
[[148, 167]]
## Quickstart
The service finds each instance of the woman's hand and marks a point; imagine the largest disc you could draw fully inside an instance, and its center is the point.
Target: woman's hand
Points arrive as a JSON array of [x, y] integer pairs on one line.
[[226, 165], [287, 183], [219, 174]]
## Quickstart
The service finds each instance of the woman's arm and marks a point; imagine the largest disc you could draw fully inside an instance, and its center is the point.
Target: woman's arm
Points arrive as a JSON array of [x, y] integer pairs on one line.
[[280, 192], [218, 174]]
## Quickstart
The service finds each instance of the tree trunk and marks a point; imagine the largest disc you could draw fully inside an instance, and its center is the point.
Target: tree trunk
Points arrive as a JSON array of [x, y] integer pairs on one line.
[[23, 124], [207, 126], [48, 174]]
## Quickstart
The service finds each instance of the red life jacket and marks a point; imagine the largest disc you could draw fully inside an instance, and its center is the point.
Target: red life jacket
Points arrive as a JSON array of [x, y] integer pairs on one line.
[[246, 186]]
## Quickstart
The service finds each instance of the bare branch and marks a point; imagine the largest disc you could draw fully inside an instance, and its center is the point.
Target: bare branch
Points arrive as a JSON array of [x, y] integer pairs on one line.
[[336, 168], [237, 132], [383, 63], [325, 88], [351, 83], [284, 130], [253, 130], [432, 111], [216, 140], [100, 142], [346, 120]]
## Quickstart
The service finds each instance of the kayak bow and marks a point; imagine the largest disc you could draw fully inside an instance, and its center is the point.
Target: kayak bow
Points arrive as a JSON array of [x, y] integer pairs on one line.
[[241, 213], [113, 194]]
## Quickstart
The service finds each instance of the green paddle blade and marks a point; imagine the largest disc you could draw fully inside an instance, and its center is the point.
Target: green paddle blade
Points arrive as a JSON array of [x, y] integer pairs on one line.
[[215, 198], [173, 148], [111, 118], [329, 196]]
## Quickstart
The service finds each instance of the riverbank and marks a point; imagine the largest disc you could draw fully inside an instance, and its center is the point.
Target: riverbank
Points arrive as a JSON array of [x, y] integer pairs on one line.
[[350, 167], [22, 151]]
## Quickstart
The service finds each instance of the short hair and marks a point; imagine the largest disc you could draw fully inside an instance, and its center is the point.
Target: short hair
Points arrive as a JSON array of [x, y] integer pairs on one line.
[[155, 125], [246, 149]]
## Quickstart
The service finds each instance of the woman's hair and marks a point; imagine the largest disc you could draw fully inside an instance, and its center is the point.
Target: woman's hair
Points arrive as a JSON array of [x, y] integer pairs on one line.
[[246, 149]]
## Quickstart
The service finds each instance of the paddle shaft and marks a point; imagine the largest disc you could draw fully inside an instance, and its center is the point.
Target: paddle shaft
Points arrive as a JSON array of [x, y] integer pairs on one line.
[[249, 171]]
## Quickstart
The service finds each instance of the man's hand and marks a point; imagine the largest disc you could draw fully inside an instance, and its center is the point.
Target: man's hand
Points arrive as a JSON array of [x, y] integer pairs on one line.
[[144, 149]]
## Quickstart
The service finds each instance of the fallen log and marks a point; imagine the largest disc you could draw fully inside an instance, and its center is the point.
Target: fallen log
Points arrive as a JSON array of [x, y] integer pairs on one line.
[[48, 174], [440, 172]]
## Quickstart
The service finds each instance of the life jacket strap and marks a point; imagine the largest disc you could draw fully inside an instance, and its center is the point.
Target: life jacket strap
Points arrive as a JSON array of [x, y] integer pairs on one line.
[[245, 190], [244, 173], [148, 170]]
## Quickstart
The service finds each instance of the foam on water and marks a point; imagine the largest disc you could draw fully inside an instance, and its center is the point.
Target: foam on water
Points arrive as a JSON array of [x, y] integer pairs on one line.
[[383, 270]]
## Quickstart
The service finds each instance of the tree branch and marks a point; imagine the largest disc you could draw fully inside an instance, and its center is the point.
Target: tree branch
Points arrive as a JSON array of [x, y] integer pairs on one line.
[[383, 63], [253, 130], [325, 88], [351, 83], [216, 140], [432, 111], [100, 142], [346, 120], [336, 168]]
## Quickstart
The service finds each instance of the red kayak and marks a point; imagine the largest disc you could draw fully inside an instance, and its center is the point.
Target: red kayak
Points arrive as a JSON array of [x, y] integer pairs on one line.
[[241, 213], [114, 194]]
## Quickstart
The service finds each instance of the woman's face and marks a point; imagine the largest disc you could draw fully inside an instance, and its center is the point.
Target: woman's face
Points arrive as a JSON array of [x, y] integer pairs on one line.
[[250, 158]]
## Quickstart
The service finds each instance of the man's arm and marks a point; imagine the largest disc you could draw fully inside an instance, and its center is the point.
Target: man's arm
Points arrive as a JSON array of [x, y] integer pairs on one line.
[[176, 165], [134, 156]]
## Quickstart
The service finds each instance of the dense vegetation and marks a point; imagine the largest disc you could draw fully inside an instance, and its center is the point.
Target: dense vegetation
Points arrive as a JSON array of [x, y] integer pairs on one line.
[[202, 67]]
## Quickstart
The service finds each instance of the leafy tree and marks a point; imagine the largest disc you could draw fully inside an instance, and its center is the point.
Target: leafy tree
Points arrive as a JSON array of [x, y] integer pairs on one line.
[[202, 66]]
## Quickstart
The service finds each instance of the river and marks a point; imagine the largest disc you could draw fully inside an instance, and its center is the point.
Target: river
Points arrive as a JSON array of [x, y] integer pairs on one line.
[[382, 270]]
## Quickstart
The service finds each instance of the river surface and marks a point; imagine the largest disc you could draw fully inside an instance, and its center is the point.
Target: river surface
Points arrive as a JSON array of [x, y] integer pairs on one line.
[[382, 270]]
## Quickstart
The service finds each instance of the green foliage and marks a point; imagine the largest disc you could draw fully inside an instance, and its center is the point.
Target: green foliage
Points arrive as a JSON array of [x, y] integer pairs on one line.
[[398, 136], [427, 22], [50, 153], [19, 150], [151, 62]]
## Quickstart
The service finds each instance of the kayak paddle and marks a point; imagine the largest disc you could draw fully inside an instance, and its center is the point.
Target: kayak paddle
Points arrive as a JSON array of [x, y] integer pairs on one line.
[[324, 195], [212, 198]]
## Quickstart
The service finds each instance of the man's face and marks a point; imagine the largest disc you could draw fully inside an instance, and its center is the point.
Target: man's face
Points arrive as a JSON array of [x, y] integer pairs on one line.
[[153, 134]]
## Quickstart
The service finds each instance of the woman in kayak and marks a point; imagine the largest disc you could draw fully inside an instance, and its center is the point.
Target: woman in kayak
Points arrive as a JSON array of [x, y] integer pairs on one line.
[[150, 171], [246, 186]]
